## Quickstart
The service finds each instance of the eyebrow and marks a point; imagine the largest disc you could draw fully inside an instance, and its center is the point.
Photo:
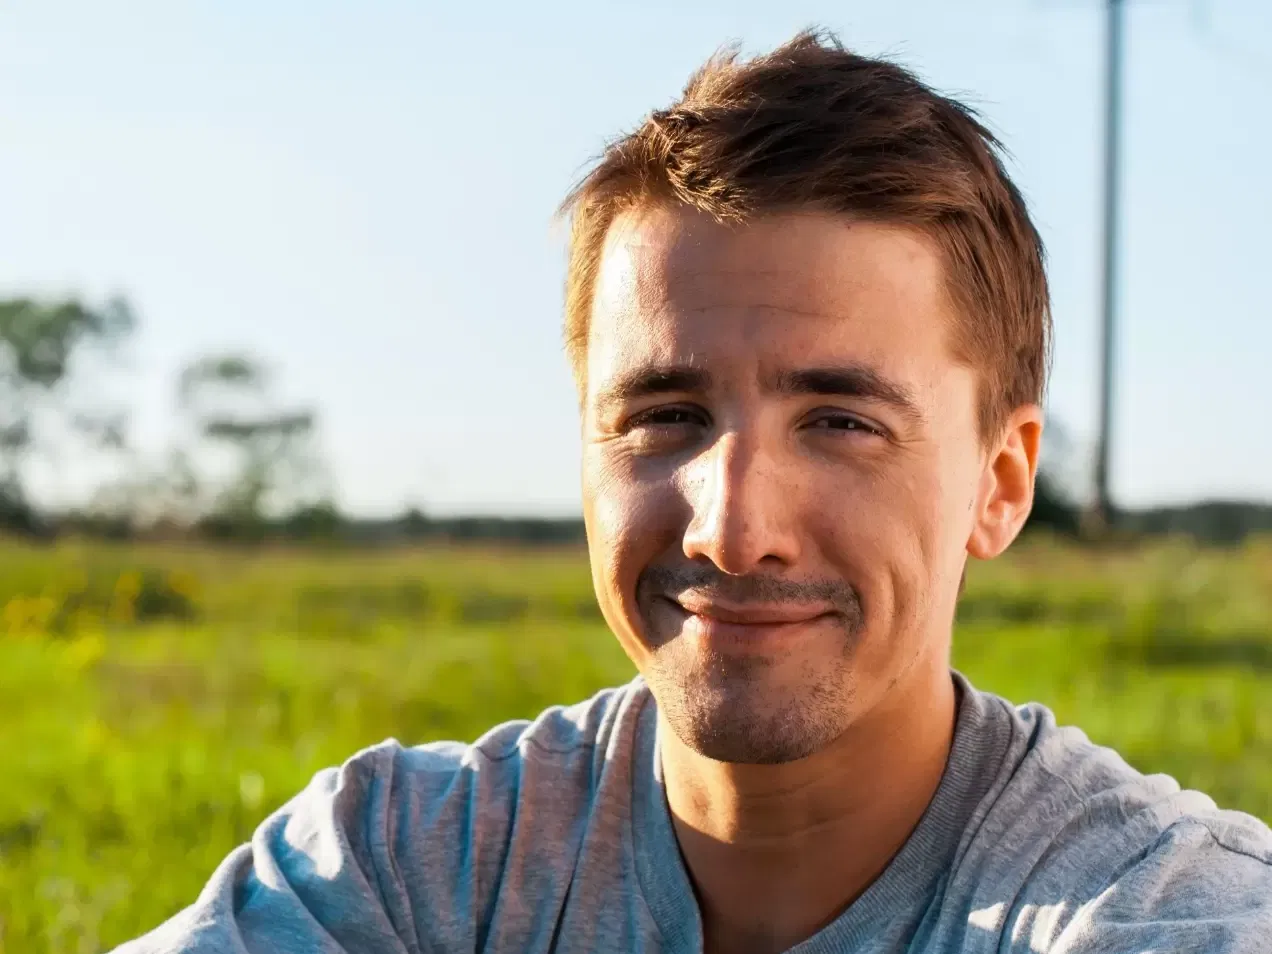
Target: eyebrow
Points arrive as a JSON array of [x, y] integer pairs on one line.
[[858, 381], [651, 380]]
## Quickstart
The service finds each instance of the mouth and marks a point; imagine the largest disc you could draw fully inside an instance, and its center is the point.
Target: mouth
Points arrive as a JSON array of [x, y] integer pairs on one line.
[[777, 614], [745, 628]]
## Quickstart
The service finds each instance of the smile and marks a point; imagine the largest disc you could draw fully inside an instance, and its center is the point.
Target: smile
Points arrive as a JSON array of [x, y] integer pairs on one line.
[[743, 615], [734, 626]]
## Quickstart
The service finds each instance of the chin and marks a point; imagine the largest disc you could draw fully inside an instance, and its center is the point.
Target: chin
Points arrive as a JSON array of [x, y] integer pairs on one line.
[[748, 710]]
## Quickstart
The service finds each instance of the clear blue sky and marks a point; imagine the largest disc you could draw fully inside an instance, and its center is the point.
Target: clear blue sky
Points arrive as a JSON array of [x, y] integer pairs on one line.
[[362, 192]]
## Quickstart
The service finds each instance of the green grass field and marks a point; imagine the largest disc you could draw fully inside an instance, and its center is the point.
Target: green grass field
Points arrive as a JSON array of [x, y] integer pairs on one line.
[[156, 703]]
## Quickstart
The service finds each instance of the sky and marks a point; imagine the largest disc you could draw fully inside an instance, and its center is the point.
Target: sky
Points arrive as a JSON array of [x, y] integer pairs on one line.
[[363, 194]]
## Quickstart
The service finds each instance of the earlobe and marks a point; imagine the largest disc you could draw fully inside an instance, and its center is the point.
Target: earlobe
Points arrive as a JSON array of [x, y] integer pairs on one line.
[[1007, 485], [984, 542]]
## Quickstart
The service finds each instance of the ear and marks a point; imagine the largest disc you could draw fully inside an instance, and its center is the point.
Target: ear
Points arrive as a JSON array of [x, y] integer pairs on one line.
[[1006, 491]]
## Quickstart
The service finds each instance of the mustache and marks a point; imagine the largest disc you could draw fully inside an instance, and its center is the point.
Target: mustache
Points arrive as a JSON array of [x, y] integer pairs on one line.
[[712, 583]]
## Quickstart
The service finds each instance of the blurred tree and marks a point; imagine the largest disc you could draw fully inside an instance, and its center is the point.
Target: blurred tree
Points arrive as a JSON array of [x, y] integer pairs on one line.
[[145, 496], [314, 523], [274, 463], [414, 523], [42, 347]]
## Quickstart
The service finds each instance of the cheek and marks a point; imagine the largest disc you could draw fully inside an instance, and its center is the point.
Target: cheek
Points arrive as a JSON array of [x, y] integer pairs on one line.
[[630, 523], [889, 534], [933, 523]]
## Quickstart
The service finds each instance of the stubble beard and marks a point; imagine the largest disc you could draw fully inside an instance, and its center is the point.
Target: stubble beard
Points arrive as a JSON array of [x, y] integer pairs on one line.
[[737, 709], [751, 709]]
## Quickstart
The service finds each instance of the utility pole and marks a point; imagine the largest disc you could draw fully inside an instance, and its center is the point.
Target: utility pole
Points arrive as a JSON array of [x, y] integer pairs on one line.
[[1114, 29]]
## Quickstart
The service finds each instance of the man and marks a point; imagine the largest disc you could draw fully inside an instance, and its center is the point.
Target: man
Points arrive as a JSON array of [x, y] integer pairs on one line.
[[809, 321]]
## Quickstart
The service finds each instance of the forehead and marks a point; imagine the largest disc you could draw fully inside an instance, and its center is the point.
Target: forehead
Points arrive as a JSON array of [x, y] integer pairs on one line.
[[799, 288]]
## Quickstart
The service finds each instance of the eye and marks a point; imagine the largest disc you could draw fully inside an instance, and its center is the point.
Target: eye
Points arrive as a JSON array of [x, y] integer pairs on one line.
[[838, 421], [666, 429], [667, 417]]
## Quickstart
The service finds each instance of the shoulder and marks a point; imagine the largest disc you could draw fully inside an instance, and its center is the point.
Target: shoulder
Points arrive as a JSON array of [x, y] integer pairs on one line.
[[462, 802], [429, 787], [1204, 884], [409, 844], [1075, 850], [445, 824], [559, 736]]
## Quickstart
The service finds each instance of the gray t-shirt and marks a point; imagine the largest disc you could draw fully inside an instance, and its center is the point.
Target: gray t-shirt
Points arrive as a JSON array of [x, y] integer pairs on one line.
[[555, 836]]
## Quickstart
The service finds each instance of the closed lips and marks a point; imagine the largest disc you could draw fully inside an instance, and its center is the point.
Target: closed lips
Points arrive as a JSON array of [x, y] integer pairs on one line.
[[750, 615]]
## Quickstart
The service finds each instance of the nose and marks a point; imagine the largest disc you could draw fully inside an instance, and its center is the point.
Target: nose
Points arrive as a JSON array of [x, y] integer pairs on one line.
[[744, 508]]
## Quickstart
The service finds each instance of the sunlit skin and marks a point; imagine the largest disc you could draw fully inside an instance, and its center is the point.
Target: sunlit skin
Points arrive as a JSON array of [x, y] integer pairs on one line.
[[783, 481]]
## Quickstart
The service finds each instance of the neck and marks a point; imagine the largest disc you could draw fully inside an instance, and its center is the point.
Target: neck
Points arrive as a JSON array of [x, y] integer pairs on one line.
[[776, 852]]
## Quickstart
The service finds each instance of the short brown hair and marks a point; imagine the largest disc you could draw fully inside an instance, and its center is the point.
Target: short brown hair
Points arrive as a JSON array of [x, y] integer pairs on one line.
[[814, 126]]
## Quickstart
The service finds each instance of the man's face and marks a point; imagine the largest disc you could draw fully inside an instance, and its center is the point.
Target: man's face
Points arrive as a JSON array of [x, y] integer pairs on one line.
[[781, 470]]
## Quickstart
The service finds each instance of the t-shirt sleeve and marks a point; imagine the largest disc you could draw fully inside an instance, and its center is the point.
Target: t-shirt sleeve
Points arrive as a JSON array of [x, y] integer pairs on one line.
[[319, 875], [1205, 887]]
